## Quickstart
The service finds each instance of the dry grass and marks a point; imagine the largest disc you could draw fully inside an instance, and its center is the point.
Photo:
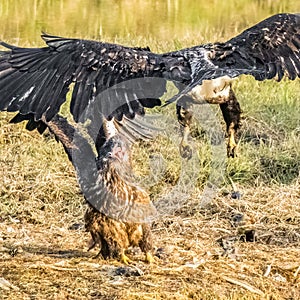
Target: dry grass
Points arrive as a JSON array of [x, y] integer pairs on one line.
[[202, 254]]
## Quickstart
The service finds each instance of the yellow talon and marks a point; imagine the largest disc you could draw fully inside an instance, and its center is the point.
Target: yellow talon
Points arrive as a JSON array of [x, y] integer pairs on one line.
[[125, 259], [232, 146], [149, 258]]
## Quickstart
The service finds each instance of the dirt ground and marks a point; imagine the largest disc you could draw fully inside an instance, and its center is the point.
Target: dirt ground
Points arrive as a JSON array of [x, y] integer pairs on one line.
[[247, 248]]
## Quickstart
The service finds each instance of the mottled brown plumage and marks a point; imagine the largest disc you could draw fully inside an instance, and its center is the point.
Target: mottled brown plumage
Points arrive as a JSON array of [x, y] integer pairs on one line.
[[113, 236]]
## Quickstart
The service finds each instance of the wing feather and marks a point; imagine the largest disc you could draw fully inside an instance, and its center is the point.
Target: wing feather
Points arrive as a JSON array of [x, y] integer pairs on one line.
[[267, 50], [36, 80], [273, 44]]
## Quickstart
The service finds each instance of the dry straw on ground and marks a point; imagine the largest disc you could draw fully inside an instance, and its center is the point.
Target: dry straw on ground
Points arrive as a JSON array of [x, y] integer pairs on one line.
[[200, 255]]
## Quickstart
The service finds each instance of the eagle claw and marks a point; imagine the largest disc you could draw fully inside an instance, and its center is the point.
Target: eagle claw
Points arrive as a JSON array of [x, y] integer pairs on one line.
[[125, 259], [185, 151], [232, 145], [232, 150]]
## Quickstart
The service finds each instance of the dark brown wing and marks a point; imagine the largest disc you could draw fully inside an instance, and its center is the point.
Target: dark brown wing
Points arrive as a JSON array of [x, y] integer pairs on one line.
[[267, 50], [37, 80]]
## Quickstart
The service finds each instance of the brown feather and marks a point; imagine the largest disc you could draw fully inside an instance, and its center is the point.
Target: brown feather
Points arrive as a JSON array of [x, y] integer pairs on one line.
[[111, 235]]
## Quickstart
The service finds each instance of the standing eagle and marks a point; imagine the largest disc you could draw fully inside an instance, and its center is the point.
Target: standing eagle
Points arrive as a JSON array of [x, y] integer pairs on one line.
[[114, 81], [111, 234]]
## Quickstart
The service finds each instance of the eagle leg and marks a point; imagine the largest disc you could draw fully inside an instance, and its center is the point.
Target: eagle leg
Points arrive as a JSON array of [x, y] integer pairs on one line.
[[231, 145], [184, 116], [146, 243], [232, 115], [184, 148]]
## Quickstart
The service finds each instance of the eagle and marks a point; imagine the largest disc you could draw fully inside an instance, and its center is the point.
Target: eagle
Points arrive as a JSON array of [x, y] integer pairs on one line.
[[115, 81], [113, 160]]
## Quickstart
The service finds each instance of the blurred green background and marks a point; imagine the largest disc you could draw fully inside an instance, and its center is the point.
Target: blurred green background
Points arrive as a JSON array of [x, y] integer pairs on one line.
[[135, 20]]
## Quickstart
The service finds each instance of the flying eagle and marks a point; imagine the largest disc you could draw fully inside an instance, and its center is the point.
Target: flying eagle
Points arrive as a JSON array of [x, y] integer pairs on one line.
[[113, 235], [117, 81]]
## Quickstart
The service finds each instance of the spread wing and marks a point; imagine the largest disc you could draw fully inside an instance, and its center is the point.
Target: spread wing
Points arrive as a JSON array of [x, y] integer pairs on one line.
[[267, 50], [270, 49], [114, 80], [36, 80]]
